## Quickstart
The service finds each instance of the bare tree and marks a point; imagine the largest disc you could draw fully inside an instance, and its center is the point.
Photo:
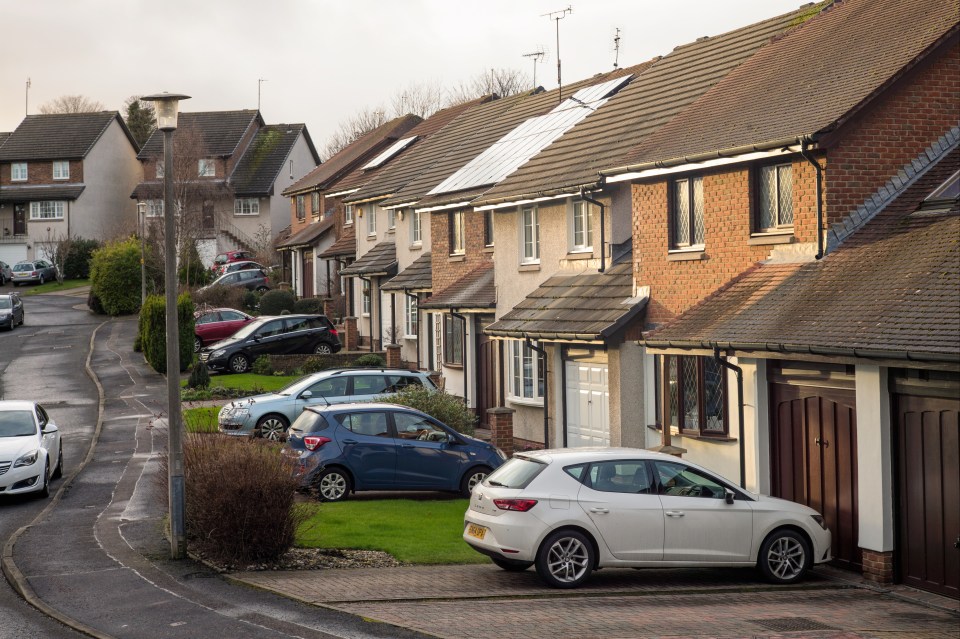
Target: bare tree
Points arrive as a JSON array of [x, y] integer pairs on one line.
[[353, 128], [57, 248], [71, 104], [419, 99], [503, 82]]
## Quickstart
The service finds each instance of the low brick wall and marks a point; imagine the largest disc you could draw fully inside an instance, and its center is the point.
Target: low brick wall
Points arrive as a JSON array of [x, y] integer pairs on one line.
[[289, 363]]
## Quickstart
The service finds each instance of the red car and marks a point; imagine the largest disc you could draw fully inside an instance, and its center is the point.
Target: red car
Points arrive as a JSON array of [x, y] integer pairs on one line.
[[216, 324], [230, 256]]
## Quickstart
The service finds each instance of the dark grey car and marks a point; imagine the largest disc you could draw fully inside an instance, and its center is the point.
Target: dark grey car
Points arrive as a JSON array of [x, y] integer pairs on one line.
[[11, 311], [6, 273], [38, 271], [253, 280]]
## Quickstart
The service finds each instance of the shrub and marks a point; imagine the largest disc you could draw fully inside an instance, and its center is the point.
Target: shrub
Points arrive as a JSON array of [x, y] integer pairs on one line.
[[220, 297], [251, 301], [262, 366], [254, 520], [76, 266], [199, 376], [312, 305], [153, 336], [447, 408], [115, 277], [275, 301], [192, 271], [370, 359], [315, 364], [93, 303]]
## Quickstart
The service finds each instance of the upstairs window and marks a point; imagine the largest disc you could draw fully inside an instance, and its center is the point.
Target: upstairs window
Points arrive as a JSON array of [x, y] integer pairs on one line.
[[206, 168], [371, 219], [686, 213], [416, 235], [315, 204], [18, 172], [581, 227], [529, 235], [61, 170], [154, 208], [488, 228], [391, 219], [348, 214], [158, 167], [457, 237], [774, 197], [246, 206]]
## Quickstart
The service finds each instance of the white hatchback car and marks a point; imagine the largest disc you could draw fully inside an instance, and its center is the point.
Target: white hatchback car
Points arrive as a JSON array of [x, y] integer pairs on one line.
[[571, 511], [30, 450]]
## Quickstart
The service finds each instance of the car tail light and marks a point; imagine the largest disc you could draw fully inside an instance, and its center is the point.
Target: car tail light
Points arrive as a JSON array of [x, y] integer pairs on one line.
[[520, 505], [313, 442], [334, 332]]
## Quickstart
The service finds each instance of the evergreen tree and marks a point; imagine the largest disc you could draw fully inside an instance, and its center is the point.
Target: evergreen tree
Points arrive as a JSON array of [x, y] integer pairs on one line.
[[140, 119]]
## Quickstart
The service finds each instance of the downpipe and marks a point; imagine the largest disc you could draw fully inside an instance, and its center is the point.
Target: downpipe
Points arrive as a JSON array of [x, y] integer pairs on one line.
[[742, 444], [805, 153]]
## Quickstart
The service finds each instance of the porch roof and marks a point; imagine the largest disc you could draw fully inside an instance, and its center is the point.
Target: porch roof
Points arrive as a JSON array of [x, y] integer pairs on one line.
[[380, 260], [475, 290], [40, 192], [416, 277], [345, 246], [307, 236]]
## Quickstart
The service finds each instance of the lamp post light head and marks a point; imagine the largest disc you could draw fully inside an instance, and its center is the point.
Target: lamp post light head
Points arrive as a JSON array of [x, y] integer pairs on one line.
[[165, 105]]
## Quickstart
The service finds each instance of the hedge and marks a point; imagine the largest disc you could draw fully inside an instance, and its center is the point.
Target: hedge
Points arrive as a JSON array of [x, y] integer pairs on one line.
[[153, 336], [115, 277]]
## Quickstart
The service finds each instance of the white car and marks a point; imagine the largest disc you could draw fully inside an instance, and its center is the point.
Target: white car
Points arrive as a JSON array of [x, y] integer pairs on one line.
[[572, 511], [30, 451]]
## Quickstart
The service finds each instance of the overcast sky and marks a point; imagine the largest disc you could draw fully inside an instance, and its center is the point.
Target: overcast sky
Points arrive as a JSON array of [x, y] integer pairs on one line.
[[324, 59]]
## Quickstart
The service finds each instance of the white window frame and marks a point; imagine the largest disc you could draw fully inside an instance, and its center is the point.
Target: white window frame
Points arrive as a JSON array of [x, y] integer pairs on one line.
[[18, 172], [580, 214], [315, 204], [391, 219], [458, 233], [159, 169], [411, 324], [488, 229], [416, 231], [246, 206], [206, 168], [692, 189], [47, 210], [61, 169], [365, 297], [529, 235], [371, 220], [301, 207], [347, 214], [521, 359], [154, 208]]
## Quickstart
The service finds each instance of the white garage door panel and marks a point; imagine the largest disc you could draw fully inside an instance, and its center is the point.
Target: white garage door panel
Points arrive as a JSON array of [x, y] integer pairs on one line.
[[587, 397], [13, 253]]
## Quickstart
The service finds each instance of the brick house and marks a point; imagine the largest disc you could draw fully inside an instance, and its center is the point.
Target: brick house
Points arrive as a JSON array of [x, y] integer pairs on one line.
[[232, 169], [65, 175], [762, 183]]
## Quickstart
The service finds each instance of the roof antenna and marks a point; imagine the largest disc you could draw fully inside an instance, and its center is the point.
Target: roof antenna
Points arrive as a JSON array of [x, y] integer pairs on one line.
[[616, 49], [537, 57], [26, 100], [260, 82], [557, 16]]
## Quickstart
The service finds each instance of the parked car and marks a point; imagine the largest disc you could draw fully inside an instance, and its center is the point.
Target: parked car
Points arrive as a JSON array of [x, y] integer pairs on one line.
[[242, 266], [11, 311], [252, 280], [30, 449], [571, 511], [230, 256], [289, 334], [344, 448], [6, 273], [269, 415], [213, 325], [39, 271]]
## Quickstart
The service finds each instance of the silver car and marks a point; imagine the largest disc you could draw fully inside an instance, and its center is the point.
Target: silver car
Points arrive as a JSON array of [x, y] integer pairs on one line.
[[38, 271], [270, 415], [6, 273]]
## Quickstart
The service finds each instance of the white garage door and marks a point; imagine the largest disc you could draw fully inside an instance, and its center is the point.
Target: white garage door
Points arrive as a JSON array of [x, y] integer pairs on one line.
[[587, 396], [13, 253]]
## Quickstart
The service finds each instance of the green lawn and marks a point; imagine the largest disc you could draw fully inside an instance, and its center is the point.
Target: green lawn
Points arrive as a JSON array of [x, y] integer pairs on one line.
[[413, 531], [250, 382], [201, 420], [51, 287]]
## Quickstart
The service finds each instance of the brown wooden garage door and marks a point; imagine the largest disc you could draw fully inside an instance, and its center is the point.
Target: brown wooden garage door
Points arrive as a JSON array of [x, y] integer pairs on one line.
[[929, 493], [814, 454]]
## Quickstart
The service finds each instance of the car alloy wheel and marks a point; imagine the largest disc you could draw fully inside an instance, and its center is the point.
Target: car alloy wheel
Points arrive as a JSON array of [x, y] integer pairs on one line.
[[44, 491], [41, 280], [333, 485], [239, 363], [565, 559], [322, 349], [784, 557], [197, 344], [471, 479], [272, 427]]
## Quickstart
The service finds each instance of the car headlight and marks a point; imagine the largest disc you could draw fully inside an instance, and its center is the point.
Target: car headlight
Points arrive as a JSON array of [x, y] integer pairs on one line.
[[220, 352], [28, 459], [820, 520], [239, 412], [502, 455]]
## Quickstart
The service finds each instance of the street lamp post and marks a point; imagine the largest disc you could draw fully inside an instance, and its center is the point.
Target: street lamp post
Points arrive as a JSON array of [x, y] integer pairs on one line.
[[165, 104], [141, 222]]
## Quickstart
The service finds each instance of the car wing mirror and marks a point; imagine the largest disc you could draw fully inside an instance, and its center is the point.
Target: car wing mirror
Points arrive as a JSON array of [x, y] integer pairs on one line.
[[729, 495], [256, 337], [306, 394], [49, 427]]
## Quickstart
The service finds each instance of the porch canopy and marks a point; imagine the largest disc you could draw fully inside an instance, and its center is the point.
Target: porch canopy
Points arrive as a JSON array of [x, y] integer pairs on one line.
[[40, 193], [379, 261], [416, 278], [305, 238], [344, 247], [473, 293]]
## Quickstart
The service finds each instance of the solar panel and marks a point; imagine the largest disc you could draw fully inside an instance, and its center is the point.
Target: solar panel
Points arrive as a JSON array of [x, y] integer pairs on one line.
[[391, 151], [533, 135]]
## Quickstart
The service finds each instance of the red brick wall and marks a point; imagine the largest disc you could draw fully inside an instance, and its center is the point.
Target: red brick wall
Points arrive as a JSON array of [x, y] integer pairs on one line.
[[878, 566], [446, 269], [42, 173], [908, 118]]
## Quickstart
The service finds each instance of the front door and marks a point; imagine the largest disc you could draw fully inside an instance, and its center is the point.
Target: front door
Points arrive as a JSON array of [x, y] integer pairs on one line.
[[814, 458], [19, 219], [307, 270], [588, 401]]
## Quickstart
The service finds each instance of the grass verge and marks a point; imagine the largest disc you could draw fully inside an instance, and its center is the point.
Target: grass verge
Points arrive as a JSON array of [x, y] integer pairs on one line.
[[413, 531], [50, 287], [201, 420], [250, 382]]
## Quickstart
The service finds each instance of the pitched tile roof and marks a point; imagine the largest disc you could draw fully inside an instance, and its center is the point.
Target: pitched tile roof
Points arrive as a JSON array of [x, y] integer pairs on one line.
[[474, 291], [345, 246], [808, 81], [222, 131], [416, 277], [308, 235], [18, 193], [347, 159], [4, 135], [263, 160], [661, 89], [58, 136], [380, 260], [892, 290], [574, 306], [398, 174]]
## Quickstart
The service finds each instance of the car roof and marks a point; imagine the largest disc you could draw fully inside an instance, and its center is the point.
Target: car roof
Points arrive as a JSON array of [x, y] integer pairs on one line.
[[594, 453], [16, 404], [354, 407]]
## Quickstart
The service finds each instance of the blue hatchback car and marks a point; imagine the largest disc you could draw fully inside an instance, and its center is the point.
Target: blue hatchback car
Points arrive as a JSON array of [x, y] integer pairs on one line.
[[343, 448]]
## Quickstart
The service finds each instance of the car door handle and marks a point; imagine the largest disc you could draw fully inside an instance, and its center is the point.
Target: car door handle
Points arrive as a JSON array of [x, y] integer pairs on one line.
[[674, 513], [600, 511], [349, 441]]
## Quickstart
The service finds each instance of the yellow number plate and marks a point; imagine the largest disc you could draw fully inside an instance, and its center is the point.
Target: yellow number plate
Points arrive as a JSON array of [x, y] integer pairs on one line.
[[476, 531]]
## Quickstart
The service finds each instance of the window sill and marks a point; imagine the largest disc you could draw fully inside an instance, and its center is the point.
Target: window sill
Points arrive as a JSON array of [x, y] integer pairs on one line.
[[528, 267], [773, 237], [523, 401], [348, 223], [488, 248], [720, 439], [580, 255], [415, 247], [412, 338], [685, 255], [456, 257], [456, 366], [371, 236]]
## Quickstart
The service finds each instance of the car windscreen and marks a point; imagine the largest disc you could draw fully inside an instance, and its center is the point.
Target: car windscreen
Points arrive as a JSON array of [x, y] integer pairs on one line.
[[247, 330], [309, 422], [17, 423], [517, 472], [5, 302]]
